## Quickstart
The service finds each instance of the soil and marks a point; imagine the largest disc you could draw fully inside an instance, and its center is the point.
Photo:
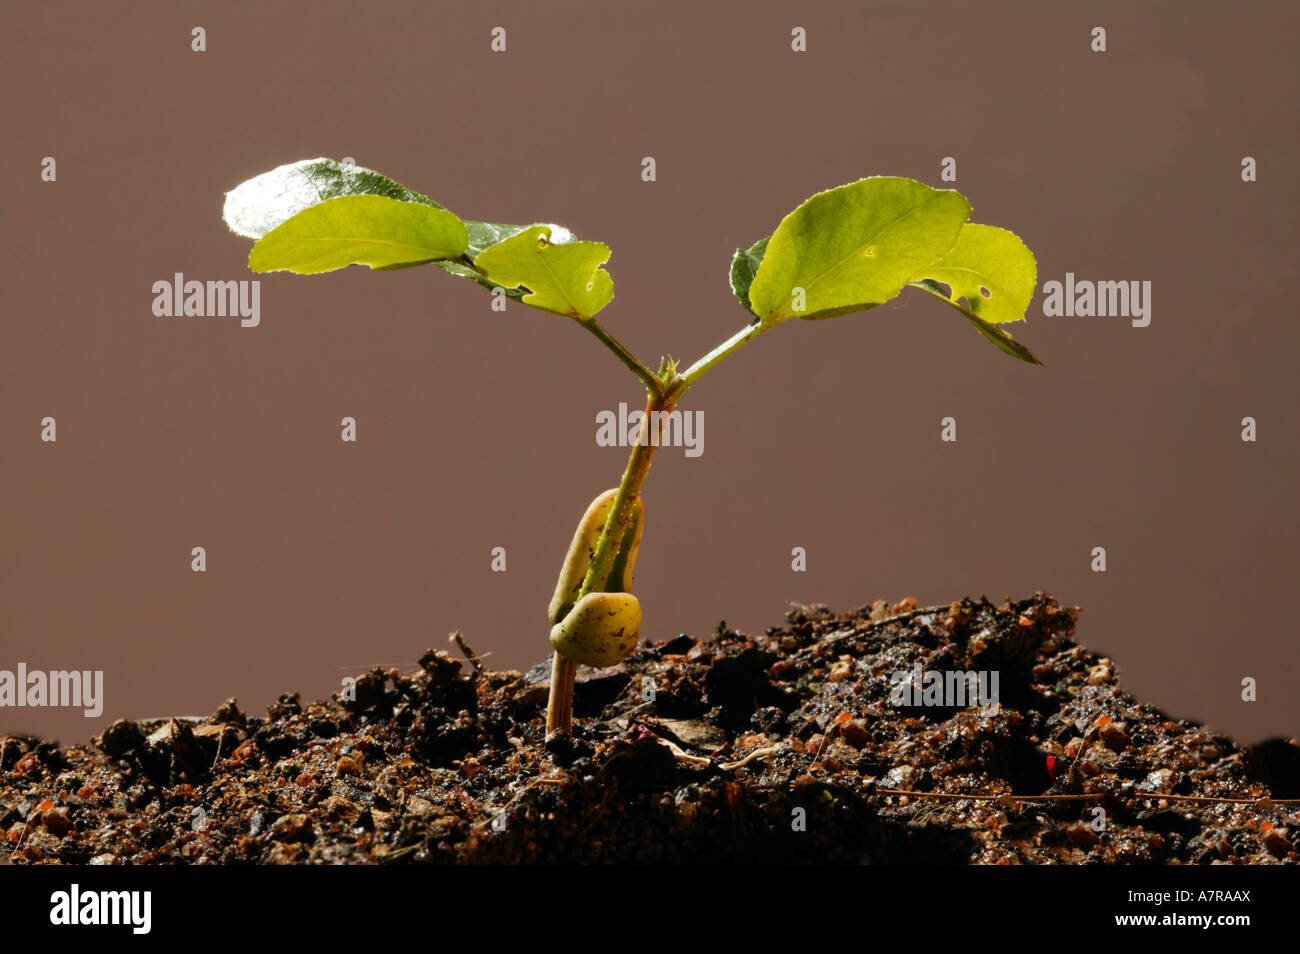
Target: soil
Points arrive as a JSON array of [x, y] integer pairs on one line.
[[779, 747]]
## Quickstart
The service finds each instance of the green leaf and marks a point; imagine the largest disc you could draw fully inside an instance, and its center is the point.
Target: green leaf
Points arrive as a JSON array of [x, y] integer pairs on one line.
[[993, 333], [744, 265], [563, 277], [482, 236], [992, 269], [265, 202], [854, 247], [360, 230]]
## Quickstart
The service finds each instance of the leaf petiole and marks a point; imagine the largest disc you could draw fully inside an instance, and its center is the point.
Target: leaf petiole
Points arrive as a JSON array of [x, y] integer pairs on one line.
[[741, 337], [651, 380]]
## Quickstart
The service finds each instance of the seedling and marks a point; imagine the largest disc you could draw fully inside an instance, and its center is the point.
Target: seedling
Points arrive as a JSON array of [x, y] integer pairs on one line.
[[845, 250]]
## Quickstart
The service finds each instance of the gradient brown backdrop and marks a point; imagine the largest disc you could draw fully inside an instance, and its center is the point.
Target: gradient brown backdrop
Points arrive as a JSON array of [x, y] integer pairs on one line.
[[476, 429]]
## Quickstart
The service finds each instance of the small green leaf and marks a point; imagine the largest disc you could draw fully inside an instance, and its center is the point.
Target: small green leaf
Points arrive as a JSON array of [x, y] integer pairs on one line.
[[561, 277], [854, 247], [993, 333], [744, 265], [265, 202], [359, 230], [482, 236], [992, 269]]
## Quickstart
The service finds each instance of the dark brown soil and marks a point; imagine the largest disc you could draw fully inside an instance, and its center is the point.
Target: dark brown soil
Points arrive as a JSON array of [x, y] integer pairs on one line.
[[781, 747]]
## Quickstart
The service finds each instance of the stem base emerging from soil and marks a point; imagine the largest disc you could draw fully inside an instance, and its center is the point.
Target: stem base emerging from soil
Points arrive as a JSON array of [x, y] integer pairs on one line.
[[559, 710], [559, 707]]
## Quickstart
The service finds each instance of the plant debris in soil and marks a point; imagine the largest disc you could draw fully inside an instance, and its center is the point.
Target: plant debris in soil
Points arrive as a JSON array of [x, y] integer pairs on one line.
[[780, 747]]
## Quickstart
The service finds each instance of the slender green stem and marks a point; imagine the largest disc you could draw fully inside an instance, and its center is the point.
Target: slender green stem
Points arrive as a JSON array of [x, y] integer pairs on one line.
[[741, 337], [648, 377]]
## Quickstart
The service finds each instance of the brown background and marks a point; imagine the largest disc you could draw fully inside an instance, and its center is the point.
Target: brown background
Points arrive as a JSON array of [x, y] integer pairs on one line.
[[477, 428]]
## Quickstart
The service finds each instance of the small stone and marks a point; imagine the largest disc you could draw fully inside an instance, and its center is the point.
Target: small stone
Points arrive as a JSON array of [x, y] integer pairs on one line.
[[529, 697], [420, 807], [900, 776], [292, 827], [121, 737], [565, 749], [29, 764], [697, 733], [245, 751], [11, 750], [1114, 736], [218, 739], [1081, 835], [1159, 780], [349, 765], [855, 734], [340, 809], [440, 666], [1101, 673], [679, 645], [57, 823], [228, 714], [841, 670], [1277, 843]]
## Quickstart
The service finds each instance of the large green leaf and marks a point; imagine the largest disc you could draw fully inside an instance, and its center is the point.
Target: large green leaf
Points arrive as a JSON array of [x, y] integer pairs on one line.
[[360, 230], [265, 202], [992, 269], [993, 333], [563, 277], [854, 247]]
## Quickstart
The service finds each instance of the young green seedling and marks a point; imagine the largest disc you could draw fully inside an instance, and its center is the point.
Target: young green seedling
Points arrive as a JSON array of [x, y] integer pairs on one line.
[[845, 250]]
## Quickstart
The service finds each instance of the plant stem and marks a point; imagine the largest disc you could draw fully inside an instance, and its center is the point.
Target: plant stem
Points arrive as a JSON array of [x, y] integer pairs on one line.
[[559, 709], [629, 488], [741, 337], [648, 377], [664, 394]]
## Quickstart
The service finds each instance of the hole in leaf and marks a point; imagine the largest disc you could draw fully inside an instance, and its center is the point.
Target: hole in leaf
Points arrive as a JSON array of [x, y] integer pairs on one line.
[[542, 241], [984, 291]]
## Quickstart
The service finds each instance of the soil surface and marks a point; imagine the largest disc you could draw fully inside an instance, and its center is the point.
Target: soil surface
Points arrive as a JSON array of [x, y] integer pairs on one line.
[[780, 747]]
